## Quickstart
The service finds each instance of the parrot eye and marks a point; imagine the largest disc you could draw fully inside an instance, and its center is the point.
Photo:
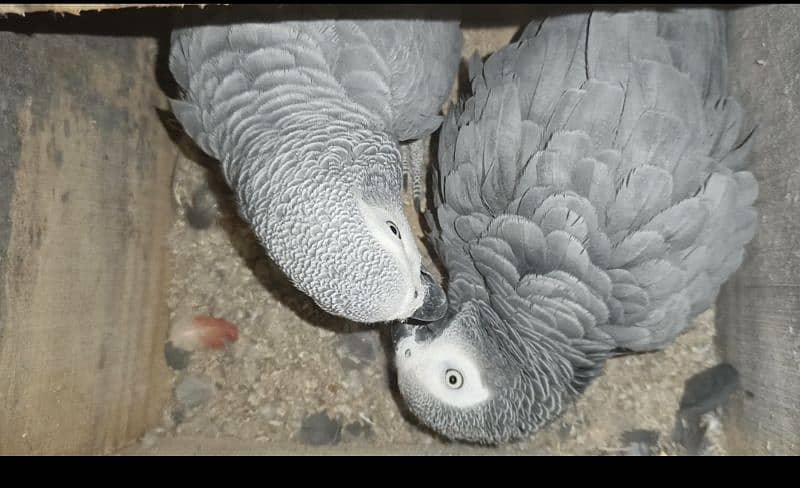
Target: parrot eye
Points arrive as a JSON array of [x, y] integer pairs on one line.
[[394, 229], [453, 379]]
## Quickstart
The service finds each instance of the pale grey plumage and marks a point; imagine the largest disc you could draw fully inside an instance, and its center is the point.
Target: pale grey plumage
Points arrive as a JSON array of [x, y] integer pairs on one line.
[[305, 118], [590, 200]]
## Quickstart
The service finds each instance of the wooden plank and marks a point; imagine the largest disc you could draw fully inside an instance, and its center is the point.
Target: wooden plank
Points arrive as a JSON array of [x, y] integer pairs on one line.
[[85, 171], [758, 313], [77, 8]]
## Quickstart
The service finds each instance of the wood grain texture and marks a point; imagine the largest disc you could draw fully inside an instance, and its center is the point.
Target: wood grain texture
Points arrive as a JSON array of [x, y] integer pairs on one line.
[[77, 8], [85, 168], [758, 312]]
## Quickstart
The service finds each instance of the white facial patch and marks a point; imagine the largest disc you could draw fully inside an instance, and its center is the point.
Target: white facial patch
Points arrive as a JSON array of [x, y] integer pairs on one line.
[[444, 369], [393, 233]]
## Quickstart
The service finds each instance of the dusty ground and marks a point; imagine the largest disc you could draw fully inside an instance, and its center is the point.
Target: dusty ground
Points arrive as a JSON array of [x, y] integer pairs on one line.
[[298, 378]]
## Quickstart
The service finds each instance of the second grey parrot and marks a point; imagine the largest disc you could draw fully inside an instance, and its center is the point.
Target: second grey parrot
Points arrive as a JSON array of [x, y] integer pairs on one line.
[[305, 118], [590, 199]]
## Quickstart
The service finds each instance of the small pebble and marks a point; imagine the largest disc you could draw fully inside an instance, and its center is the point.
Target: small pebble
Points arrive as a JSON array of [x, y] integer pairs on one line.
[[360, 429], [176, 357], [640, 442], [349, 364], [199, 218], [194, 391], [318, 430], [356, 349], [709, 389], [203, 210], [177, 416]]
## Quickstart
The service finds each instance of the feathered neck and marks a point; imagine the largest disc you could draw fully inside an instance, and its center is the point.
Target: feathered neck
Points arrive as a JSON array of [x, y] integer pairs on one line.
[[303, 160]]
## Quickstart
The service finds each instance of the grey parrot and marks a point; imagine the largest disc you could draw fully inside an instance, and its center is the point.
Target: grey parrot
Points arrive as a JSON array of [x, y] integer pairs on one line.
[[590, 199], [305, 118]]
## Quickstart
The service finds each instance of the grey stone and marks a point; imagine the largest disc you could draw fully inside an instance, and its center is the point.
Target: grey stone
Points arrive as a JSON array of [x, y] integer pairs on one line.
[[703, 392], [177, 416], [640, 442], [177, 358], [357, 349], [202, 213], [318, 430], [194, 391], [360, 429], [709, 389]]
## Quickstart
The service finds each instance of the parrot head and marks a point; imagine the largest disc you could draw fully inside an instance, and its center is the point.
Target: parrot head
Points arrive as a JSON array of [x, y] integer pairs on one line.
[[341, 236], [470, 377], [403, 286]]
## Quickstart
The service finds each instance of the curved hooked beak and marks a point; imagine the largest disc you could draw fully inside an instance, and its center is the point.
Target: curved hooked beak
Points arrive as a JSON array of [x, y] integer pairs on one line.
[[434, 304], [422, 333], [400, 331]]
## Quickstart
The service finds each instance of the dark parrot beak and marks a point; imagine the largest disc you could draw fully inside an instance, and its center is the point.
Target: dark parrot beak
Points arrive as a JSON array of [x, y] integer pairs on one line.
[[434, 305], [400, 331], [423, 334]]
